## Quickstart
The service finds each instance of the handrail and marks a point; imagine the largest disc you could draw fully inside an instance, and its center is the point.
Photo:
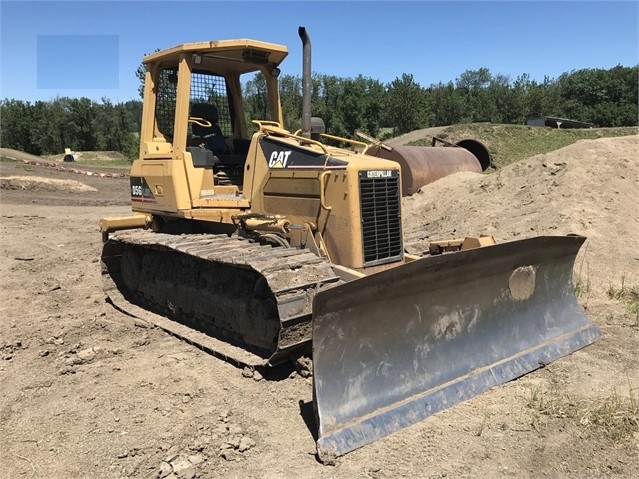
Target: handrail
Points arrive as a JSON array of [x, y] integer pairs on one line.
[[261, 123], [346, 140], [322, 178], [265, 126]]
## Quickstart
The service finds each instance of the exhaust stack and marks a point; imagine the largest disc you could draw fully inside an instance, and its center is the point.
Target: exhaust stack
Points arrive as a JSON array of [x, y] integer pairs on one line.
[[306, 82]]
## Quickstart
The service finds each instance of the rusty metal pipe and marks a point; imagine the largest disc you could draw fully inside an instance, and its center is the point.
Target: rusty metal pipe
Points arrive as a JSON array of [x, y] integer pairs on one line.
[[477, 148], [421, 165]]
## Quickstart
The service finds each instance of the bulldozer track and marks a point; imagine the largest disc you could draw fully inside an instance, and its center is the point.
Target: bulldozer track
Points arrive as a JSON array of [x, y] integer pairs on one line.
[[250, 303]]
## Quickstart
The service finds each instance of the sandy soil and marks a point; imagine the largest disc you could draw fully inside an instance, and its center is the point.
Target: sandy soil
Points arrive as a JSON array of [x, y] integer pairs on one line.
[[89, 392]]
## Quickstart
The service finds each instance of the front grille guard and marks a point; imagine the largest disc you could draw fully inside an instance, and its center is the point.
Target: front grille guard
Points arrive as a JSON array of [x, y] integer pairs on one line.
[[380, 209]]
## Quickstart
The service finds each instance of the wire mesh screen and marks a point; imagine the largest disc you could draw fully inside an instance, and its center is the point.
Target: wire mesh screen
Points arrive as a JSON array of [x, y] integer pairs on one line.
[[210, 88], [165, 100]]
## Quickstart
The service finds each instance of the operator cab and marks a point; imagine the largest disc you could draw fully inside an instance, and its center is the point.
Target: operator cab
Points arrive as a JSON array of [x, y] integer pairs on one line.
[[195, 109]]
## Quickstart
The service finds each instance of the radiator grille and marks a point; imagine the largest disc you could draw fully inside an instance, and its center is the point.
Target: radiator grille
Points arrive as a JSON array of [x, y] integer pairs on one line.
[[381, 216]]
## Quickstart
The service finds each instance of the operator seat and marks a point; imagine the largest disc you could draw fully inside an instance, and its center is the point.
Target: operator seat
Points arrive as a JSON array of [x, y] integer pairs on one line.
[[211, 136]]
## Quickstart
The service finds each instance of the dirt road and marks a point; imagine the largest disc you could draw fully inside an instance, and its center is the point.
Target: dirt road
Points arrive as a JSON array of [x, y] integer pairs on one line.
[[89, 392]]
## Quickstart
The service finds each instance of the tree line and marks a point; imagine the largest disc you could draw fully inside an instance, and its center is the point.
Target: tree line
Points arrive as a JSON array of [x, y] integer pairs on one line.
[[48, 127], [606, 98]]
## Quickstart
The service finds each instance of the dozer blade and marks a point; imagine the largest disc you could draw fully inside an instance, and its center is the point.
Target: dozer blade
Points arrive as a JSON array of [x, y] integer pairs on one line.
[[393, 348]]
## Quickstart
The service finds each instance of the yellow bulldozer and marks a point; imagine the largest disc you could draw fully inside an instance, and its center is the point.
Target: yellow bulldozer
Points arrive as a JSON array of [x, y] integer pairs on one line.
[[263, 247]]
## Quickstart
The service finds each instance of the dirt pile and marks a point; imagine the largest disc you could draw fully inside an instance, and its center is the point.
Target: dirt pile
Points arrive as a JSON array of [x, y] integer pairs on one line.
[[589, 188], [37, 183]]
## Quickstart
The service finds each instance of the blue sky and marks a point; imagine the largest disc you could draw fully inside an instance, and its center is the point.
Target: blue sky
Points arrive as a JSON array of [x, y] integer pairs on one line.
[[91, 48]]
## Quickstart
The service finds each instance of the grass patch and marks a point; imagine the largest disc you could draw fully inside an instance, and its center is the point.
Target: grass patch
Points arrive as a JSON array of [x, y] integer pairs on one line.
[[24, 166], [582, 287], [511, 143], [385, 133], [616, 416], [628, 295], [581, 282]]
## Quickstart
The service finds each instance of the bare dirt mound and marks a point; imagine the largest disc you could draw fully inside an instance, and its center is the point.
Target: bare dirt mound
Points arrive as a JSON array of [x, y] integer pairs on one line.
[[588, 188], [37, 183], [47, 183], [18, 155]]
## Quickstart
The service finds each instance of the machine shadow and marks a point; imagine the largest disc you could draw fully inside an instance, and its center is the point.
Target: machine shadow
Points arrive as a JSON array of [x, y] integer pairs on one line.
[[283, 372], [308, 415]]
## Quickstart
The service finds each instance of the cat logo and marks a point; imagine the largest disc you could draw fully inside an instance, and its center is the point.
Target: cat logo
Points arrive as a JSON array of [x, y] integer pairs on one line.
[[278, 159]]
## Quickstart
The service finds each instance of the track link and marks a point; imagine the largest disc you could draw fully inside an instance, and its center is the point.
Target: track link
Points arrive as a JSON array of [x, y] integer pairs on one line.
[[247, 302]]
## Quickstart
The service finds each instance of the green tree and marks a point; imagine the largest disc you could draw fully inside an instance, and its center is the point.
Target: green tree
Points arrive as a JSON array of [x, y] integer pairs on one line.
[[255, 99], [445, 105], [16, 117], [326, 103], [474, 88], [51, 132], [362, 105], [140, 73], [496, 101], [404, 104], [604, 97], [291, 100], [79, 121], [134, 107]]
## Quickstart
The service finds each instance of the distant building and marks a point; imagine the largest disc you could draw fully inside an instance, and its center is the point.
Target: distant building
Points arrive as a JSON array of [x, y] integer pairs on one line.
[[554, 122]]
